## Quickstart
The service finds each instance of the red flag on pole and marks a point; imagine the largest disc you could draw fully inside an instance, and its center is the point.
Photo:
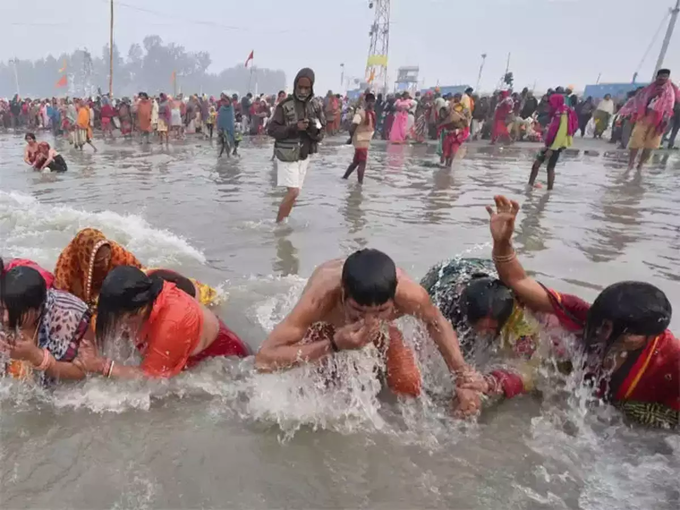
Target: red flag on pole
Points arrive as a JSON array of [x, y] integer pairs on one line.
[[250, 57], [63, 81]]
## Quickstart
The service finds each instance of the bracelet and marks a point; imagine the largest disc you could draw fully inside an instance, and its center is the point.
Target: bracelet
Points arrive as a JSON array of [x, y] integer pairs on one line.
[[334, 346], [107, 367], [108, 375], [46, 362], [504, 259]]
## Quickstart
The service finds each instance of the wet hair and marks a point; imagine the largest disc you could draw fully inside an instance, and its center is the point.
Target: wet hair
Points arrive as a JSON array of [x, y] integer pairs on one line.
[[663, 71], [485, 296], [469, 90], [635, 308], [369, 277], [182, 282], [29, 135], [369, 96], [126, 290], [22, 290]]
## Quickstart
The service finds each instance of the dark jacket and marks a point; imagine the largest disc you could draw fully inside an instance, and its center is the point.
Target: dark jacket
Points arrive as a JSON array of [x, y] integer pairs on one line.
[[291, 144]]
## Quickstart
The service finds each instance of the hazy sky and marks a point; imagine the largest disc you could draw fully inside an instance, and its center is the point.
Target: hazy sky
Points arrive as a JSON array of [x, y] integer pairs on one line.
[[552, 42]]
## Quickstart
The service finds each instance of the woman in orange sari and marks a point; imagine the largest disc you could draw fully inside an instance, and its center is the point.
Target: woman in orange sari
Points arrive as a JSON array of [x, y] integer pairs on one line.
[[83, 134], [85, 262], [90, 257]]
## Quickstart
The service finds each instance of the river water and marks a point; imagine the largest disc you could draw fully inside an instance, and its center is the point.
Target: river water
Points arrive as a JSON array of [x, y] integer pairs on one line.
[[221, 437]]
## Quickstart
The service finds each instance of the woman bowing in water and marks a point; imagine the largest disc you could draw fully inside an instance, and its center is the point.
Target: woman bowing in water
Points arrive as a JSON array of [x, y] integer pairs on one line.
[[45, 327], [171, 330]]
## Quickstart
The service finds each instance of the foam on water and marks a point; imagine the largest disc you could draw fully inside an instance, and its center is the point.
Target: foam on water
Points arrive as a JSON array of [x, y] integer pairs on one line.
[[32, 229]]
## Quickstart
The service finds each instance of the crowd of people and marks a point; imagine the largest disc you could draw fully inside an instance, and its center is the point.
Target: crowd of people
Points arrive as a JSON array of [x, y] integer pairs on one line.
[[57, 325]]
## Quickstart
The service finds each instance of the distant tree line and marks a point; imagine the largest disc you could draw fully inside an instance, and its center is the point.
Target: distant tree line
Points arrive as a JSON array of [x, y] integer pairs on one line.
[[148, 67]]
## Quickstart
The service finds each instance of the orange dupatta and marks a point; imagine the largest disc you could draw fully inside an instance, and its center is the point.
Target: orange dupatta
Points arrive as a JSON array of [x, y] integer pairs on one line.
[[75, 266]]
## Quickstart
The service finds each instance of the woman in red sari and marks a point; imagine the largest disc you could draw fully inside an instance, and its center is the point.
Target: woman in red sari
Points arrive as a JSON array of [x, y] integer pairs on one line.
[[503, 109], [633, 359]]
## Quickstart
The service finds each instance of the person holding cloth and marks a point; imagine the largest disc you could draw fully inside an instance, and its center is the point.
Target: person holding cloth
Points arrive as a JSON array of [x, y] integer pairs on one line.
[[297, 127]]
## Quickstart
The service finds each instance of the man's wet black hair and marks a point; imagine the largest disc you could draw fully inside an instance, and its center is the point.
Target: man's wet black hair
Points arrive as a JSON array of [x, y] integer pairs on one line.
[[663, 71], [126, 289], [183, 283], [636, 308], [30, 135], [369, 277], [370, 96], [22, 290], [485, 296]]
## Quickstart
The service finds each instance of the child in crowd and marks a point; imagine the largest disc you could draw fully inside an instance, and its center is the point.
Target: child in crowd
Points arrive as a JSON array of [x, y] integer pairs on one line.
[[210, 121], [238, 133]]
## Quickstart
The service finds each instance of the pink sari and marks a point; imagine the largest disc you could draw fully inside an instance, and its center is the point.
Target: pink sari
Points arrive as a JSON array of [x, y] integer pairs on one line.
[[400, 125]]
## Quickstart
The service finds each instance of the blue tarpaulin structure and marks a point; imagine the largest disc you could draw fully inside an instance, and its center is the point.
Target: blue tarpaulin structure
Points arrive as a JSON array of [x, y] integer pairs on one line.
[[355, 94], [450, 89], [616, 90]]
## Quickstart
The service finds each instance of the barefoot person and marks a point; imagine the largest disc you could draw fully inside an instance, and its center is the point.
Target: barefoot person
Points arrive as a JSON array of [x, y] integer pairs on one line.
[[297, 127], [171, 330], [563, 126], [630, 353], [361, 133], [651, 110], [350, 304]]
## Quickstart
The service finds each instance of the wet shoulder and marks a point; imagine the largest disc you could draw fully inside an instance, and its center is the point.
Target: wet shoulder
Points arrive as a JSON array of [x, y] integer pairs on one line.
[[325, 281]]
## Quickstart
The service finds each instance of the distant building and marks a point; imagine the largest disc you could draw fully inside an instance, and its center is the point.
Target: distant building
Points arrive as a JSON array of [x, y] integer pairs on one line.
[[407, 79], [616, 90]]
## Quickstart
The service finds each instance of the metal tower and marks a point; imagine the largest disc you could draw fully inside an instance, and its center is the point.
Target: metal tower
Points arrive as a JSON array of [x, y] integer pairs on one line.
[[376, 65]]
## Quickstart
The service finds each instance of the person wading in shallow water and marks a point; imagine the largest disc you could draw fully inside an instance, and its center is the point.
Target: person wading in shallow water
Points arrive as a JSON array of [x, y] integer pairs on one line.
[[349, 304], [297, 128], [651, 110], [560, 135], [361, 133]]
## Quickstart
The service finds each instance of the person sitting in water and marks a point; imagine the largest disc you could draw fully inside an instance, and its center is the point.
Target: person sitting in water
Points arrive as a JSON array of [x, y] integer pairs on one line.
[[345, 306], [624, 335], [171, 330], [49, 158], [45, 327], [12, 263], [90, 256], [31, 149], [487, 317]]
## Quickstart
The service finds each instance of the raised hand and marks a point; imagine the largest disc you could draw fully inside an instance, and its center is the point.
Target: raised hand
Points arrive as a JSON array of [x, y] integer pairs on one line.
[[502, 220]]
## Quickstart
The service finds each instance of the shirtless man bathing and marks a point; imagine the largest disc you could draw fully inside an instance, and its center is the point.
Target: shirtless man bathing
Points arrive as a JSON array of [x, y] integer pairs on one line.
[[348, 304]]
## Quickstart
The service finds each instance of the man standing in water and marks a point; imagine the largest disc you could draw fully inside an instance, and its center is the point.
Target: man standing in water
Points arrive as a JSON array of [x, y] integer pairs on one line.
[[349, 304], [361, 133], [297, 126], [651, 110]]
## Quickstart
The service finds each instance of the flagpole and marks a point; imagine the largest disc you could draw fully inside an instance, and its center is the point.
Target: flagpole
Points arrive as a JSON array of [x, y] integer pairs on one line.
[[111, 55], [16, 76]]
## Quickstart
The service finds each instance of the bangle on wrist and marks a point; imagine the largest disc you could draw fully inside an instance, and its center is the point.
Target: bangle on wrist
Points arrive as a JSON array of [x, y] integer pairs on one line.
[[106, 367], [110, 371], [46, 362], [504, 259]]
